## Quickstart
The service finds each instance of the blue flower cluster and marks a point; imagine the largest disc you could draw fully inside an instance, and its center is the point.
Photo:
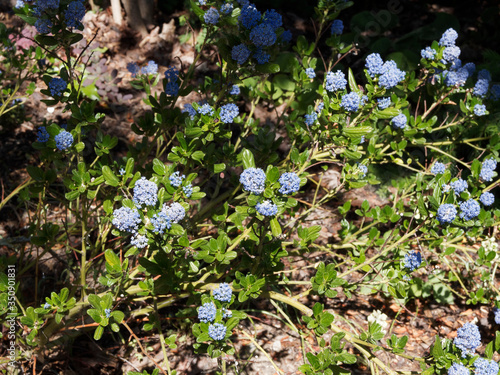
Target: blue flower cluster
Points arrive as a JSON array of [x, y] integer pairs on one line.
[[150, 68], [240, 53], [457, 75], [446, 213], [310, 73], [487, 169], [351, 102], [448, 38], [57, 86], [64, 140], [479, 109], [290, 183], [482, 84], [43, 6], [226, 8], [43, 25], [176, 179], [487, 198], [235, 90], [496, 312], [74, 13], [459, 186], [468, 339], [228, 113], [388, 72], [267, 208], [438, 168], [133, 68], [485, 367], [451, 53], [188, 108], [412, 260], [335, 81], [263, 35], [261, 56], [42, 135], [175, 212], [206, 109], [211, 16], [206, 313], [223, 293], [363, 169], [310, 119], [126, 219], [139, 240], [217, 331], [188, 189], [428, 53], [337, 27], [226, 313], [383, 103], [107, 312], [172, 85], [399, 121], [253, 180], [458, 369], [470, 209], [145, 193], [160, 222]]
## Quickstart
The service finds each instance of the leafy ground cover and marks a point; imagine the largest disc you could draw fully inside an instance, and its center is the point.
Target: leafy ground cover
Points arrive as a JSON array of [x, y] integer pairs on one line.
[[370, 257]]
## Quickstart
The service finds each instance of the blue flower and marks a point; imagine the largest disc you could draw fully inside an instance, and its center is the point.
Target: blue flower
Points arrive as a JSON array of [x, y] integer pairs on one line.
[[261, 56], [496, 312], [57, 86], [310, 119], [383, 103], [363, 169], [228, 112], [263, 35], [399, 121], [223, 293], [188, 190], [456, 77], [217, 331], [273, 19], [335, 81], [74, 14], [286, 37], [188, 108], [176, 179], [485, 367], [211, 16], [438, 168], [172, 73], [320, 106], [235, 90], [337, 27], [459, 186], [140, 241], [64, 140], [470, 209], [351, 102], [448, 38], [126, 219], [486, 174], [43, 25], [206, 109], [479, 109], [310, 73], [175, 212], [226, 313], [172, 88], [481, 87], [374, 64], [487, 198], [46, 306], [206, 312], [428, 53], [160, 222], [267, 208], [446, 213], [413, 259], [489, 164], [145, 192], [121, 171], [249, 16], [458, 369], [133, 68], [226, 8], [240, 53], [202, 2], [107, 312], [253, 180], [468, 339], [391, 75], [290, 183], [42, 135], [151, 68]]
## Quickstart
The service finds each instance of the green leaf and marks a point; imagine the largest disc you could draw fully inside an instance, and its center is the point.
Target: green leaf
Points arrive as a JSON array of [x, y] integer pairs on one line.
[[98, 332], [109, 176], [358, 131], [268, 68], [352, 82], [247, 159], [275, 227], [111, 258], [159, 167], [219, 167]]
